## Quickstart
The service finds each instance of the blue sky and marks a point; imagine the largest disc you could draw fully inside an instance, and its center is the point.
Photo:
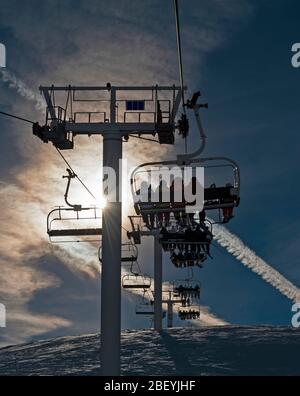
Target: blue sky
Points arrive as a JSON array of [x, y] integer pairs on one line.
[[238, 53], [254, 92]]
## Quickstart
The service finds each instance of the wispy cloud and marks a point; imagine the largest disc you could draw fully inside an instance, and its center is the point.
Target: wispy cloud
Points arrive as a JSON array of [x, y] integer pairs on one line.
[[29, 325], [22, 89]]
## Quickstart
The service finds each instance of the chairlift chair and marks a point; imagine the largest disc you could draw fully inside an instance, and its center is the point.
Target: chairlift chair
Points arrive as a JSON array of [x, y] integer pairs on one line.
[[65, 224], [187, 288], [136, 281], [196, 238], [190, 261], [189, 247], [145, 308], [191, 312], [129, 253], [226, 195], [222, 197], [137, 228]]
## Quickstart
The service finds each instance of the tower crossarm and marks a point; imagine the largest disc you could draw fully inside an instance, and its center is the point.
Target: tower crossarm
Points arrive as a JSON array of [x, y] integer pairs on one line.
[[75, 110]]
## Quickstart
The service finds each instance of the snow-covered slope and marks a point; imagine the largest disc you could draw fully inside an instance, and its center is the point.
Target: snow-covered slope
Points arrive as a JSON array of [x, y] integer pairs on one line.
[[229, 350]]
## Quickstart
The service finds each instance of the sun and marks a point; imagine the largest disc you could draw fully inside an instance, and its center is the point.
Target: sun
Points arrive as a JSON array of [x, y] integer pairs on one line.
[[80, 196], [102, 202]]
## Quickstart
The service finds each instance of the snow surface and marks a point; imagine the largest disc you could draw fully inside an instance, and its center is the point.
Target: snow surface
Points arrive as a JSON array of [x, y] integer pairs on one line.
[[228, 350]]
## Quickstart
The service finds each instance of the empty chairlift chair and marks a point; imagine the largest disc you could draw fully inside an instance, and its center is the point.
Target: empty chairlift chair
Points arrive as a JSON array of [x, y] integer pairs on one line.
[[145, 308], [66, 224], [136, 281], [129, 253], [74, 222]]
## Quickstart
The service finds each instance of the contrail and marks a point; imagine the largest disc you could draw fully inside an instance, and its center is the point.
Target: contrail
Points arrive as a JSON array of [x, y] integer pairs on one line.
[[234, 245], [22, 88]]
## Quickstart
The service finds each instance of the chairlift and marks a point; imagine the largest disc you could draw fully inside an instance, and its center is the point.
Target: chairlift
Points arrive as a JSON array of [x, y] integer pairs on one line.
[[189, 247], [187, 288], [188, 260], [136, 281], [65, 224], [137, 226], [129, 253], [193, 239], [145, 308], [222, 197], [191, 312]]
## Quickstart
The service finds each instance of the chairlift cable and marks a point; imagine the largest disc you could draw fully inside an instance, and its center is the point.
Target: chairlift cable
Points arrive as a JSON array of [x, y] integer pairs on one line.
[[139, 268], [124, 228], [179, 52], [146, 291], [180, 63], [78, 178], [16, 117], [59, 152]]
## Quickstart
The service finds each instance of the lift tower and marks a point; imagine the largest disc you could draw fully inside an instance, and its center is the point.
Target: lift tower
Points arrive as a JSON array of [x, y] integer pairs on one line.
[[115, 113]]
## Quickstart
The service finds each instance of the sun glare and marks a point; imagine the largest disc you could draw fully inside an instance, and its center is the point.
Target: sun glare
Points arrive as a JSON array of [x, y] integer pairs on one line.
[[102, 202]]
